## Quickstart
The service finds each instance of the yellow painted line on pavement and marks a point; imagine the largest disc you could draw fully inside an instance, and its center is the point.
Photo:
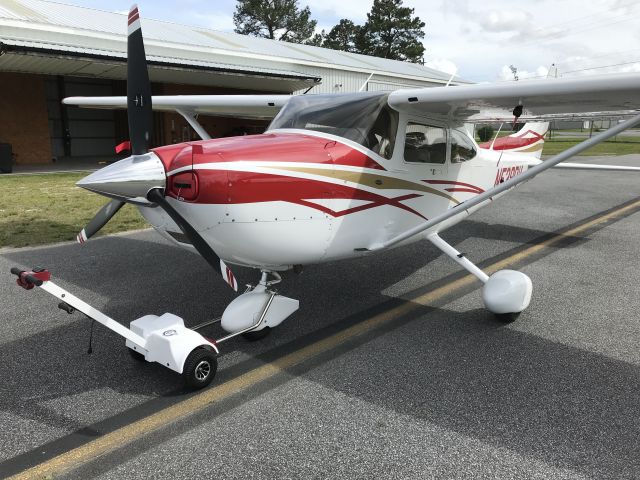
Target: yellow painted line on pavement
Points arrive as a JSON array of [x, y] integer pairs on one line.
[[434, 295], [116, 439]]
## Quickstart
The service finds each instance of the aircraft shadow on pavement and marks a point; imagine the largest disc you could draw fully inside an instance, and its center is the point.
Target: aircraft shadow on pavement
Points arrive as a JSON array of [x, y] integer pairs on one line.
[[137, 278], [140, 277]]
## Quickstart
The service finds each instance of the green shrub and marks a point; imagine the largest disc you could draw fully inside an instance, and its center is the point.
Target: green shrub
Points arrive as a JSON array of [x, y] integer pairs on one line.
[[485, 133]]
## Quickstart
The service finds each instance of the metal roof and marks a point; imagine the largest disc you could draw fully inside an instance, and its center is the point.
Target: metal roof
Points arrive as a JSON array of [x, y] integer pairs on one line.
[[56, 27], [35, 57]]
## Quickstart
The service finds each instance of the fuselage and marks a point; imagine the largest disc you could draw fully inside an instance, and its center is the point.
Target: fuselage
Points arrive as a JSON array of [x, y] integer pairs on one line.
[[296, 197]]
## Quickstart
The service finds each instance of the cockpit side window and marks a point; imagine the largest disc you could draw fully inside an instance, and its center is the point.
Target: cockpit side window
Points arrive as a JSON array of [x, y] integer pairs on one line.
[[382, 134], [425, 144]]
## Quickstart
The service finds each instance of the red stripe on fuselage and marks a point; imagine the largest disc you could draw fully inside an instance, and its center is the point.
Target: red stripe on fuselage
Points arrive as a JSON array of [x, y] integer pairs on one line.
[[508, 143], [133, 17], [394, 202], [447, 182], [232, 187], [236, 187], [466, 190]]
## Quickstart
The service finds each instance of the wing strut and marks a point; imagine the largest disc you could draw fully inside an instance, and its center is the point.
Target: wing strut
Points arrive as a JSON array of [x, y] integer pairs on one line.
[[503, 187], [190, 117]]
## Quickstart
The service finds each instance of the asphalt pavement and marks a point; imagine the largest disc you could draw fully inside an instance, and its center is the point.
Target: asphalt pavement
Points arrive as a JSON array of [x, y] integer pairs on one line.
[[391, 367]]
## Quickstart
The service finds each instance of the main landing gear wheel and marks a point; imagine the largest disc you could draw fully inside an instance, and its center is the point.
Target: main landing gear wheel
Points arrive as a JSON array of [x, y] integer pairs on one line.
[[254, 336], [199, 368]]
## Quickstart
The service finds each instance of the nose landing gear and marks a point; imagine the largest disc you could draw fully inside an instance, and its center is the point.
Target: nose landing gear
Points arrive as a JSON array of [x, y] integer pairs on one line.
[[259, 309]]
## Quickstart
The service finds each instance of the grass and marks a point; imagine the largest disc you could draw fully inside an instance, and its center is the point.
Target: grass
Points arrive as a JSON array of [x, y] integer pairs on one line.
[[622, 145], [41, 209]]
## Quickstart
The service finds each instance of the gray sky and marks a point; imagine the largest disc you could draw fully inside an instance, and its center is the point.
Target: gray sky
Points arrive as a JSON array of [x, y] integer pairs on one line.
[[479, 39]]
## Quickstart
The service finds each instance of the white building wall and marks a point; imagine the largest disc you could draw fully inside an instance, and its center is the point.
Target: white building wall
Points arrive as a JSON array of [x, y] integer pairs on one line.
[[343, 81], [334, 80]]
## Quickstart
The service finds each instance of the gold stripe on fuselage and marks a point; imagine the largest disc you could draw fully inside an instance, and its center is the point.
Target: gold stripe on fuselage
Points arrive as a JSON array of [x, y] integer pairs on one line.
[[534, 148], [372, 180]]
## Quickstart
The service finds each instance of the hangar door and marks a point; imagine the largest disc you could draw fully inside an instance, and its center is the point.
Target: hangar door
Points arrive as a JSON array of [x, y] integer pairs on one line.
[[81, 132]]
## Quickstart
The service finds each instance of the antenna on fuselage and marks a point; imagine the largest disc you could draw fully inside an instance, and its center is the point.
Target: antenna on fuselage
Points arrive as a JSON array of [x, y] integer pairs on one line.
[[496, 136]]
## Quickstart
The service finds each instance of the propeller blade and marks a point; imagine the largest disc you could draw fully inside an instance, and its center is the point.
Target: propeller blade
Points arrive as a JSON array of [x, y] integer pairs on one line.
[[99, 220], [157, 196], [139, 111]]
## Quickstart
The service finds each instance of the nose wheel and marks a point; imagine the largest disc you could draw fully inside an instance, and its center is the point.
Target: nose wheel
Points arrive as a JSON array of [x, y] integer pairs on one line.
[[254, 336]]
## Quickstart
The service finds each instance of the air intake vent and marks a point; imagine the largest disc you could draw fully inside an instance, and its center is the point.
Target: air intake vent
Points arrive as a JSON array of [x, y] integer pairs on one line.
[[184, 186]]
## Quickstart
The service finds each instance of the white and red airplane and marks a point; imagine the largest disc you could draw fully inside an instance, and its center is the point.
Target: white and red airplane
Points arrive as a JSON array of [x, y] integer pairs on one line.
[[334, 177]]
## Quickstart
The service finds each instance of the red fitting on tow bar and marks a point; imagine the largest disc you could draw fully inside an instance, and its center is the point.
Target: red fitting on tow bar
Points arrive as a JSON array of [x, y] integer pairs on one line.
[[35, 277]]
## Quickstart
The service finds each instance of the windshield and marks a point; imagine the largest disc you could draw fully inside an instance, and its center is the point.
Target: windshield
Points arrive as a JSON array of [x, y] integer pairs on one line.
[[363, 118]]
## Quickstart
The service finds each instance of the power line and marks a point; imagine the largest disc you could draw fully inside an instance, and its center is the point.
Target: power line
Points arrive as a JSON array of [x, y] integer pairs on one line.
[[570, 32], [581, 70], [602, 66], [579, 19]]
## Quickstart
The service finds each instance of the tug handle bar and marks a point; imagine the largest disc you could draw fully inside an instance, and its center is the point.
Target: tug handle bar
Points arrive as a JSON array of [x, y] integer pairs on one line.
[[29, 278]]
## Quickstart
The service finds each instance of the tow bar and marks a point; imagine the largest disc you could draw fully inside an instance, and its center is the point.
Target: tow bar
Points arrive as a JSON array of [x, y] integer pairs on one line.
[[163, 339]]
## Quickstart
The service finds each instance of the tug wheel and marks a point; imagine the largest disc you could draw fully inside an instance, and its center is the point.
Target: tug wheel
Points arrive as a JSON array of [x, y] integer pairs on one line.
[[199, 368], [256, 335]]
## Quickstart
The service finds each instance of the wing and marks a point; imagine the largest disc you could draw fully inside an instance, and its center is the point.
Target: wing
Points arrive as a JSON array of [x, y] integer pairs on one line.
[[243, 106], [602, 93]]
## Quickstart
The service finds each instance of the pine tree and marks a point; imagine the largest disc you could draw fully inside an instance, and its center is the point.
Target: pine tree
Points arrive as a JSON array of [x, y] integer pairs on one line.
[[317, 40], [391, 31], [342, 36], [276, 19]]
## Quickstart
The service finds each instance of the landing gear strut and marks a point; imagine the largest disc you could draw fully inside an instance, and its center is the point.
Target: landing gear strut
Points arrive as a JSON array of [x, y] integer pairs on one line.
[[257, 310], [506, 293]]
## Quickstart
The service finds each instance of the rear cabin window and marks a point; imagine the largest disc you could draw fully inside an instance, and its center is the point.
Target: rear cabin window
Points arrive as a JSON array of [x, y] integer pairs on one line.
[[462, 148], [425, 143]]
